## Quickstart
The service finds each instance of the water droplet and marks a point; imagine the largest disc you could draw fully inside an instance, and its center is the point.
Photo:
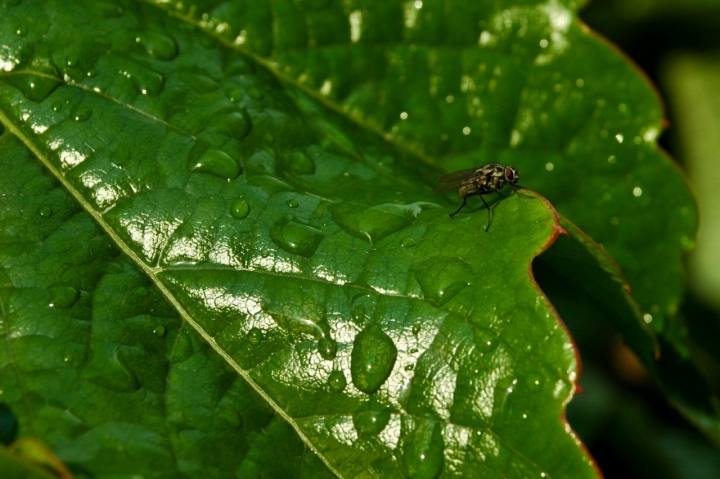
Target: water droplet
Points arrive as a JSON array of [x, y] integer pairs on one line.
[[218, 163], [235, 124], [57, 106], [296, 238], [372, 421], [408, 243], [146, 81], [82, 113], [292, 204], [362, 306], [44, 211], [198, 82], [327, 347], [158, 45], [239, 209], [300, 163], [534, 381], [383, 220], [423, 450], [269, 183], [21, 30], [409, 367], [486, 341], [255, 93], [34, 87], [416, 329], [442, 278], [63, 296], [234, 94], [372, 360], [336, 381], [255, 336], [159, 330]]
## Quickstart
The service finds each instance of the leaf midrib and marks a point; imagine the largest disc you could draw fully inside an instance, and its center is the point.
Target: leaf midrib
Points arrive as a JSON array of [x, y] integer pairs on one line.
[[149, 271]]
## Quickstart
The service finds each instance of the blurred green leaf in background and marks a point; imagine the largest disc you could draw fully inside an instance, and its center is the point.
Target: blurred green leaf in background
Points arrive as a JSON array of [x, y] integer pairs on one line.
[[222, 256]]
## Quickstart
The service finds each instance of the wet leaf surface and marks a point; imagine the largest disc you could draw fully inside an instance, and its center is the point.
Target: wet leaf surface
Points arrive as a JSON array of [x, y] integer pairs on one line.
[[476, 82], [194, 217]]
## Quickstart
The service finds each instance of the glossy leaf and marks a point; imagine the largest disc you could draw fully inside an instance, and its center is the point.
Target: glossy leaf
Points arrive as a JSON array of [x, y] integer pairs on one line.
[[469, 83], [287, 236]]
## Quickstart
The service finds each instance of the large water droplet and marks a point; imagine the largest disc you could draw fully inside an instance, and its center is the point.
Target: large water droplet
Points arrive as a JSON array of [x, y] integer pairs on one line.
[[300, 163], [292, 204], [158, 45], [235, 124], [255, 336], [372, 360], [218, 163], [423, 450], [239, 209], [296, 238], [383, 220], [371, 419], [159, 331], [337, 381], [442, 278], [376, 222]]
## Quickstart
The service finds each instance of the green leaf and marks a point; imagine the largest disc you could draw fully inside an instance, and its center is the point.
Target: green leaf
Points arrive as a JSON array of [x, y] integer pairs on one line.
[[287, 236], [523, 84], [95, 360]]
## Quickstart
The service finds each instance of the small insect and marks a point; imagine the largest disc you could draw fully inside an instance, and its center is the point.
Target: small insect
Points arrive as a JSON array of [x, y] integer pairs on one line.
[[483, 180]]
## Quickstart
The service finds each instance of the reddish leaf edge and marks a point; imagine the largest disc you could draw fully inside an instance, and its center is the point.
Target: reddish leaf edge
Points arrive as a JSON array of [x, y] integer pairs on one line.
[[557, 231]]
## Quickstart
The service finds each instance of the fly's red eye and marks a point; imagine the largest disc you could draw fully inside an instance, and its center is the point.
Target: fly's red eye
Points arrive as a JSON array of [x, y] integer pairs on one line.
[[511, 174]]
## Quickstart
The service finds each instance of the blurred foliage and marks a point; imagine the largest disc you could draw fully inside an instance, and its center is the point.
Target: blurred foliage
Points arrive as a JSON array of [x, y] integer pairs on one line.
[[678, 45]]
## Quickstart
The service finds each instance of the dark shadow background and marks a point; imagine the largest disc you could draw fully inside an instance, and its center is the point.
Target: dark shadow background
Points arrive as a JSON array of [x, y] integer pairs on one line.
[[625, 422]]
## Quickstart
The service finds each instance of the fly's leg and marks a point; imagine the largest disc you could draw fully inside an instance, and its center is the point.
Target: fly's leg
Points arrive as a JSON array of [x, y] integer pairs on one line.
[[461, 207], [489, 214]]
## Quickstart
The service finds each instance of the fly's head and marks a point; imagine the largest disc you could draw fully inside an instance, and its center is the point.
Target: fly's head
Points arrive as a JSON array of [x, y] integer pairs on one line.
[[511, 174]]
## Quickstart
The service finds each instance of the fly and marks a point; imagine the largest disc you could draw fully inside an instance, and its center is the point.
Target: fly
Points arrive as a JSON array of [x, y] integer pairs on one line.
[[483, 180]]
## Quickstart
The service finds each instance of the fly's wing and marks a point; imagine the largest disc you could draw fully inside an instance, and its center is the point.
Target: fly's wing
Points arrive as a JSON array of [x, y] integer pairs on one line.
[[468, 177], [455, 179], [458, 176], [450, 186]]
